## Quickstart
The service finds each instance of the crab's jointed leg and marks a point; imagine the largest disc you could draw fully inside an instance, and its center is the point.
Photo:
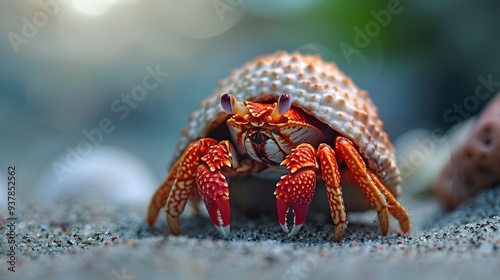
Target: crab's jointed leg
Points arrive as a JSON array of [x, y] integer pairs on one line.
[[395, 208], [179, 185], [297, 188], [357, 168], [198, 174], [160, 197], [379, 197], [331, 175], [180, 178]]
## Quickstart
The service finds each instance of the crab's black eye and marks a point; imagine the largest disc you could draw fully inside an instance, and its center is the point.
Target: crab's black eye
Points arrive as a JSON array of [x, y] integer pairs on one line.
[[225, 102], [284, 103]]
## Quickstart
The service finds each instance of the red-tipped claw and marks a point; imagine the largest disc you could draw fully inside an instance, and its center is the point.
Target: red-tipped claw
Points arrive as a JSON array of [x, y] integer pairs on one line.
[[295, 190], [214, 191]]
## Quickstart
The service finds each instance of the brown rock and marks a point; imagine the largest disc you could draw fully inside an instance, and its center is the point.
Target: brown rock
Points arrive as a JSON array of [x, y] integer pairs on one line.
[[476, 164]]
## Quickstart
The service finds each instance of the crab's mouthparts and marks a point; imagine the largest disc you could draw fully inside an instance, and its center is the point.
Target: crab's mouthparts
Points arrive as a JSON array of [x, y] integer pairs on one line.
[[261, 146], [259, 137]]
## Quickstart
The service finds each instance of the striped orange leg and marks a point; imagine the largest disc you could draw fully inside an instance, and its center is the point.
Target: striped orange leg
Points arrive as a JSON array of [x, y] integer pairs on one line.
[[160, 197], [395, 208], [331, 176], [357, 168], [180, 182]]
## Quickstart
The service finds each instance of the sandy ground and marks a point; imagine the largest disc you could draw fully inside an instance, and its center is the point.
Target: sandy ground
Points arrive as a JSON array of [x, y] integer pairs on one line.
[[94, 240]]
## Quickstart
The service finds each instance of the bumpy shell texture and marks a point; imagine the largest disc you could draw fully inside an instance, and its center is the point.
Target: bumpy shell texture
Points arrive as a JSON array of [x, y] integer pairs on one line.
[[317, 87]]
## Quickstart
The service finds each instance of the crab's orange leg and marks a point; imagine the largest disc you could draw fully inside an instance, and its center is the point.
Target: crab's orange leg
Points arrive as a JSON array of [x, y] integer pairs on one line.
[[160, 197], [176, 189], [357, 168], [296, 189], [395, 208], [331, 176]]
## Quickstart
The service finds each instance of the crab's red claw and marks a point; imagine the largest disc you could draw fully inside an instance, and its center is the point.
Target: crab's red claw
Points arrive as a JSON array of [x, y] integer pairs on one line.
[[214, 191], [295, 190]]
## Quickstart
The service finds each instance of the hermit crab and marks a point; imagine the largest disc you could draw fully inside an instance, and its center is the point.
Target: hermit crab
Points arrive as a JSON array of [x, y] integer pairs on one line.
[[297, 119]]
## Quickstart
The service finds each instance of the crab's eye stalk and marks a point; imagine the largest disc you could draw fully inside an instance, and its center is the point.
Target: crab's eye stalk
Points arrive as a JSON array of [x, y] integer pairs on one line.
[[232, 106], [280, 107], [284, 103], [225, 102]]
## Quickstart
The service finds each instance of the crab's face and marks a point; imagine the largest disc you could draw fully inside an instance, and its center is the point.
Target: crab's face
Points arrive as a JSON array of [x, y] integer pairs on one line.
[[267, 132]]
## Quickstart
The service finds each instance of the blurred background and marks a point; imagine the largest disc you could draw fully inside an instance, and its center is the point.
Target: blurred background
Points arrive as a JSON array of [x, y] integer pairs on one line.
[[66, 65]]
